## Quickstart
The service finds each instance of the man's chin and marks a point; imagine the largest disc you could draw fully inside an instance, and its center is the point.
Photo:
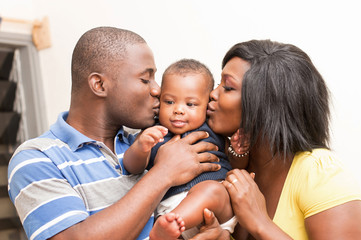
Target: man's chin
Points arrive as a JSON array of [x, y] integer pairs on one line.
[[147, 124]]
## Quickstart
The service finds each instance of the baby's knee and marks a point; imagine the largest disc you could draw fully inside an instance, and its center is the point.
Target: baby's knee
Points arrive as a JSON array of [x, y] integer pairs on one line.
[[212, 189]]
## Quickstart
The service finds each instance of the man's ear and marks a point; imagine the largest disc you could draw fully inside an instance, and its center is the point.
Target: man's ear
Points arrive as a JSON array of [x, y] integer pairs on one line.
[[96, 84]]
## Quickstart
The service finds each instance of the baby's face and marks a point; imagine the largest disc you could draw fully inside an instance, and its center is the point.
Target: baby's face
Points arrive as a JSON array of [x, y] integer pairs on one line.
[[183, 102]]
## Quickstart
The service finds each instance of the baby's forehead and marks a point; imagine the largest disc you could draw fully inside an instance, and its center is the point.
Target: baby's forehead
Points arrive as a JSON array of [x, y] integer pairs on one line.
[[200, 78]]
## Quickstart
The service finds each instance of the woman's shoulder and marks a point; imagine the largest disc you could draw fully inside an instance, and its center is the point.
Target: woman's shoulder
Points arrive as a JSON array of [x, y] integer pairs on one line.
[[323, 181], [320, 158]]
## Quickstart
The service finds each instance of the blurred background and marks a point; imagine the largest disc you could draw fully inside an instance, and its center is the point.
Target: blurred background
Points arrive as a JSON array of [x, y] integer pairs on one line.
[[37, 38]]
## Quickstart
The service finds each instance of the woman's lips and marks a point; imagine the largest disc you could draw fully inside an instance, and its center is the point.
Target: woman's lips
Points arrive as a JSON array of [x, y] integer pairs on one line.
[[210, 109]]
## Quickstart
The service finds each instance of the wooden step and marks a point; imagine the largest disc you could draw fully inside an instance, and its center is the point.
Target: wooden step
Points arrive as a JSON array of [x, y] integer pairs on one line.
[[9, 125], [6, 64], [7, 95], [12, 234]]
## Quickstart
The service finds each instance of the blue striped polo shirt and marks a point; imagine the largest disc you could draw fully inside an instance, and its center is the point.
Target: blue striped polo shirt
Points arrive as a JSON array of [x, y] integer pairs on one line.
[[63, 177]]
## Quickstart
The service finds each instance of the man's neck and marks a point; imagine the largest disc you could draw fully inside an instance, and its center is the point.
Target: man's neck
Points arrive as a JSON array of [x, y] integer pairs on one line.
[[93, 126]]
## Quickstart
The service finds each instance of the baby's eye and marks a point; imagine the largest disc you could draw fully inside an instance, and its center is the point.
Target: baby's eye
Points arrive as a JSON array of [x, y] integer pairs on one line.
[[168, 102], [191, 104]]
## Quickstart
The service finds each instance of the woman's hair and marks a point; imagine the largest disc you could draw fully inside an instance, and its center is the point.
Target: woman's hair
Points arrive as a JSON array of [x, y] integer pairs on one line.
[[285, 100]]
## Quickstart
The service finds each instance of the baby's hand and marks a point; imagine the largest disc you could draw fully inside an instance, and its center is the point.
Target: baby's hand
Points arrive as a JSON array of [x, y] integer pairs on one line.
[[240, 142], [149, 137]]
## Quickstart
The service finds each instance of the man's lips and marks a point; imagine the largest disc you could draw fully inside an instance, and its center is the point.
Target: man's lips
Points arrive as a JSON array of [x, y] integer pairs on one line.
[[156, 108], [156, 111]]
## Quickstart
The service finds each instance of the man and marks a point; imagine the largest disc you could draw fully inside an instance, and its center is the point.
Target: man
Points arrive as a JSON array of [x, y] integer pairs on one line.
[[69, 183]]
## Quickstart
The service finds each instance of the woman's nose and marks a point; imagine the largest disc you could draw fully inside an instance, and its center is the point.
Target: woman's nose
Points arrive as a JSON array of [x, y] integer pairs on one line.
[[213, 95]]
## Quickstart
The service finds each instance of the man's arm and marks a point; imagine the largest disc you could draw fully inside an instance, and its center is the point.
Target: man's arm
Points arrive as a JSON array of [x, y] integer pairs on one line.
[[126, 218]]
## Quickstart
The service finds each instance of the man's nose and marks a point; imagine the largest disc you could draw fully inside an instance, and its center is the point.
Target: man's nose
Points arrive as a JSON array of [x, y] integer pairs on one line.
[[155, 89]]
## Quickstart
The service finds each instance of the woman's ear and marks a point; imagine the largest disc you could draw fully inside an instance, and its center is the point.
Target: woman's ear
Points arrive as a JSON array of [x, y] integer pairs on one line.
[[96, 84]]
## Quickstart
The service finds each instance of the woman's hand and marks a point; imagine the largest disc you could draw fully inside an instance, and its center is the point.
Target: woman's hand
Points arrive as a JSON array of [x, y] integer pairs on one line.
[[248, 202], [211, 229]]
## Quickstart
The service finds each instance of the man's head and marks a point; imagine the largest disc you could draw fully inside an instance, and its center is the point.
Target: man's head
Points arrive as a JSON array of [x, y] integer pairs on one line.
[[97, 49], [186, 85], [113, 73]]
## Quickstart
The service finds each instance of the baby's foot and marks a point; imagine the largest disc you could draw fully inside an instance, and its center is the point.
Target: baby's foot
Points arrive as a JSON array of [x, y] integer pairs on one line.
[[168, 226]]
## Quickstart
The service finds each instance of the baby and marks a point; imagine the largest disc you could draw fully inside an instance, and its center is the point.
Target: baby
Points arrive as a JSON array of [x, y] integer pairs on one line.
[[186, 85]]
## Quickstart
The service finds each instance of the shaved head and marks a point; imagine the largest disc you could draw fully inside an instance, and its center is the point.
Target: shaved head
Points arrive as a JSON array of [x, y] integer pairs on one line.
[[97, 49]]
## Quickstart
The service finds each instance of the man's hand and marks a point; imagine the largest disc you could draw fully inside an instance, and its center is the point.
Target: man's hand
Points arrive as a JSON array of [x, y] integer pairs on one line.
[[181, 160], [211, 229]]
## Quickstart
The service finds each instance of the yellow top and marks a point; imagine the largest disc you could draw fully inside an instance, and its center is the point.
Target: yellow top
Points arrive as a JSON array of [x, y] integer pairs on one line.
[[315, 182]]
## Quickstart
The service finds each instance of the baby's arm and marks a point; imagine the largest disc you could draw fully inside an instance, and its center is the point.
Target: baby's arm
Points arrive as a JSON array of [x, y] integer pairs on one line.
[[136, 158]]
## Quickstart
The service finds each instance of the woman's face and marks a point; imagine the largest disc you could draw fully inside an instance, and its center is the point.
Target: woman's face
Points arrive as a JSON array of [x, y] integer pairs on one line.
[[224, 110]]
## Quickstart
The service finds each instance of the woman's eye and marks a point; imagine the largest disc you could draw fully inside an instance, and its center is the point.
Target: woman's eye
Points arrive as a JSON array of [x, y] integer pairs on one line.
[[226, 88], [145, 81]]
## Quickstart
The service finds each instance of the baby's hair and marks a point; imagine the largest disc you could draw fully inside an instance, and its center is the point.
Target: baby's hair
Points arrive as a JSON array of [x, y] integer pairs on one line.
[[189, 66]]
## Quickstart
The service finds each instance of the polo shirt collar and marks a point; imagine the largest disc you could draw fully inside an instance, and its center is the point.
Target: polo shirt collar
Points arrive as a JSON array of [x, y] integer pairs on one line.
[[66, 133], [123, 136]]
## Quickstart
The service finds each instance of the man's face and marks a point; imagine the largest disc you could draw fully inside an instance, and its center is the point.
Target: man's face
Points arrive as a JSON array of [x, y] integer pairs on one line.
[[132, 98], [184, 100]]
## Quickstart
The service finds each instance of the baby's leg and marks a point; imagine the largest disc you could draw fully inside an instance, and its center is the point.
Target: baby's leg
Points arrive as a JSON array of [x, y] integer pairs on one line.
[[208, 194], [167, 227]]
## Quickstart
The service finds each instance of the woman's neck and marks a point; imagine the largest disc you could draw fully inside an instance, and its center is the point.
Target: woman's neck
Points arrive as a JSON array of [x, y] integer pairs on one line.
[[270, 174]]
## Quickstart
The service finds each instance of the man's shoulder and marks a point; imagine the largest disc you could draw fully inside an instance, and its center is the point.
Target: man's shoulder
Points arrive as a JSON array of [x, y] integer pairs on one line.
[[36, 148], [40, 143]]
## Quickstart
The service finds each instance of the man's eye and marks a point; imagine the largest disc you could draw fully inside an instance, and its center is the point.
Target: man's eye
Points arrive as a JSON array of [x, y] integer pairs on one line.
[[145, 81]]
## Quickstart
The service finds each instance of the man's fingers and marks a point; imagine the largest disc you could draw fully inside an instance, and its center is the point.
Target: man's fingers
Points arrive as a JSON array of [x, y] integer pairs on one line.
[[207, 157], [195, 137], [203, 146], [174, 138], [209, 217], [209, 167]]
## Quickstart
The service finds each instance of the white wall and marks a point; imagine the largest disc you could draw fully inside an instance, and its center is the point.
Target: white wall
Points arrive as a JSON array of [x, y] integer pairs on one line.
[[329, 31]]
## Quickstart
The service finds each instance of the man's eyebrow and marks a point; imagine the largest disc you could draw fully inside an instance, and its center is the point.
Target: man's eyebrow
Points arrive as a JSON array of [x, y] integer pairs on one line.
[[149, 71]]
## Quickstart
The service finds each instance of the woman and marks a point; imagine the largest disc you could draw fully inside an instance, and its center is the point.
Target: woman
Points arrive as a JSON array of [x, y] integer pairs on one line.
[[293, 187]]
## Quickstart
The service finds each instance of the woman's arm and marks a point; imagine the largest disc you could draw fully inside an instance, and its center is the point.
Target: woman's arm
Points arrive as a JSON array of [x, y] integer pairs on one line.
[[340, 222]]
